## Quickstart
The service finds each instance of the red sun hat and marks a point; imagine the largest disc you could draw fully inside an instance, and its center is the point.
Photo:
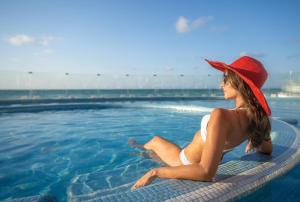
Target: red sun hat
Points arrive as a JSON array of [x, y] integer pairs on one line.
[[252, 72]]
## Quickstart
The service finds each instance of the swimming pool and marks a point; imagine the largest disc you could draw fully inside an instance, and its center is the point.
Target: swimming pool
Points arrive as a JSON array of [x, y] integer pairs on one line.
[[68, 150], [46, 152]]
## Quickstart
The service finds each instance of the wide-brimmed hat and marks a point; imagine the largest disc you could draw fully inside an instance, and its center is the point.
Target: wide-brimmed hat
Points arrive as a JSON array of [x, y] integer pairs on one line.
[[252, 72]]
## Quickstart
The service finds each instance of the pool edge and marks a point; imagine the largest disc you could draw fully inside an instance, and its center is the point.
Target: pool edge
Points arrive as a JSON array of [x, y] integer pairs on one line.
[[233, 187]]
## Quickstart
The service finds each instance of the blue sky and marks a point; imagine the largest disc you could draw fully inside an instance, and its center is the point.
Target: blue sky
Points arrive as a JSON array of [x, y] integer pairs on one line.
[[145, 37]]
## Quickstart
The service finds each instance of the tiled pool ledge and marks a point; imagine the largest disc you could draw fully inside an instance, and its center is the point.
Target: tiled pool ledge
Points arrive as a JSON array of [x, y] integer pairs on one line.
[[249, 180], [236, 177], [239, 174]]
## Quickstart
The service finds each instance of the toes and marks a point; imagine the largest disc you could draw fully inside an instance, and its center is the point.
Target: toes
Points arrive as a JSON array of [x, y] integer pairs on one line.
[[132, 141]]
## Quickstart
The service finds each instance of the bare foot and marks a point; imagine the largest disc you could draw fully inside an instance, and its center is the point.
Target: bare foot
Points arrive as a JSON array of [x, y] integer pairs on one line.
[[132, 143]]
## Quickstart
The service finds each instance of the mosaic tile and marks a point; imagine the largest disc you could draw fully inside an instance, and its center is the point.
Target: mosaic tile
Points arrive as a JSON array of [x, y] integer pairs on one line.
[[234, 178]]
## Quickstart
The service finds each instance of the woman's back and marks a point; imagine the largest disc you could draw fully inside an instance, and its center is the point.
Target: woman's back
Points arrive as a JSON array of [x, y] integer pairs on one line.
[[239, 122]]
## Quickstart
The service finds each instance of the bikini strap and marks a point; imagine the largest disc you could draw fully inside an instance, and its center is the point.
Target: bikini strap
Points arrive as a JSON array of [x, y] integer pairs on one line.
[[241, 108]]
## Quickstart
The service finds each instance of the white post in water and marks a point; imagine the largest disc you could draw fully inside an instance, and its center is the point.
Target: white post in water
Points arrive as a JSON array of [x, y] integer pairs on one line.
[[182, 84], [98, 91], [209, 89], [30, 84], [127, 90], [153, 83], [66, 86]]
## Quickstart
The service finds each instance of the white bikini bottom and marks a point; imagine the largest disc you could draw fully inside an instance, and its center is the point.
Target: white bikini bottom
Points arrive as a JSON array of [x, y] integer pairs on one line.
[[183, 158], [185, 161]]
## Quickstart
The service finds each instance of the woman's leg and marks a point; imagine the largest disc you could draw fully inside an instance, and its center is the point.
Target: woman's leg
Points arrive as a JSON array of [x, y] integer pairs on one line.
[[146, 153], [168, 152]]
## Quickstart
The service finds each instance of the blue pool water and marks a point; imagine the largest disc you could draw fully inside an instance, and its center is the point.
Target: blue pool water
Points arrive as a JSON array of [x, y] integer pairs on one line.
[[45, 152], [71, 152]]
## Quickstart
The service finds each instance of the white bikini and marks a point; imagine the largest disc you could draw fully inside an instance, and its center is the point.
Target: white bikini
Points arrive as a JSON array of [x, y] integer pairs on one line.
[[203, 126], [203, 132]]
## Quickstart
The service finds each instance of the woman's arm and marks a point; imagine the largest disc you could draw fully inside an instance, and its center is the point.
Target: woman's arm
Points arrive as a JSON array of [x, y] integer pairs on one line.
[[188, 172], [210, 158], [266, 147]]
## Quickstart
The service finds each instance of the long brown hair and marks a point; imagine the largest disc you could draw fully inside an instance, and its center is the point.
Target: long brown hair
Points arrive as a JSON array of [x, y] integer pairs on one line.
[[259, 127]]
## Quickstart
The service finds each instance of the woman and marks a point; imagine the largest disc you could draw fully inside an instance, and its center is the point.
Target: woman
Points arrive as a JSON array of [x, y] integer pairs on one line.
[[220, 131]]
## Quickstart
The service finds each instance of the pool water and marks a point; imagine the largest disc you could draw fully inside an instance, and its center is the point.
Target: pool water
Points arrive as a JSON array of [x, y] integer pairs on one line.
[[284, 188], [46, 152], [72, 152]]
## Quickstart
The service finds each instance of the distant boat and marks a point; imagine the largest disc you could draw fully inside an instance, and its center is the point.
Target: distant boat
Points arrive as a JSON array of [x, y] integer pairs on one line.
[[292, 87], [290, 90], [286, 95]]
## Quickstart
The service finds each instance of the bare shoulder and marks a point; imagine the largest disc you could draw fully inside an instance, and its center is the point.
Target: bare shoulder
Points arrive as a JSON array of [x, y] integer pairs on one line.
[[234, 122], [223, 116], [221, 113], [227, 113]]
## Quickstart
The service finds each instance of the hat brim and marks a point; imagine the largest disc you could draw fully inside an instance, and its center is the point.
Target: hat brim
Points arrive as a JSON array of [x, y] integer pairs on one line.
[[256, 91]]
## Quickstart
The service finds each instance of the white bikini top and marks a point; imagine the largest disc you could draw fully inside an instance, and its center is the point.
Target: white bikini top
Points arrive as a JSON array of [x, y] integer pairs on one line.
[[203, 126], [204, 123]]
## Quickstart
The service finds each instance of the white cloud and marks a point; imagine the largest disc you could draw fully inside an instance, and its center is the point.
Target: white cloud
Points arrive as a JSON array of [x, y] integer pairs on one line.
[[45, 41], [184, 25], [253, 54], [20, 40]]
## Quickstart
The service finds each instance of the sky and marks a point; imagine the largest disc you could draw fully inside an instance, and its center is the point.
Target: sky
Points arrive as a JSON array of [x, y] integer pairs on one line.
[[147, 37]]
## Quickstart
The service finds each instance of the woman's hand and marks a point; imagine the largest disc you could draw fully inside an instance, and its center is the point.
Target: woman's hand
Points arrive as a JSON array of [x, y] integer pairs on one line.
[[249, 147], [145, 180]]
